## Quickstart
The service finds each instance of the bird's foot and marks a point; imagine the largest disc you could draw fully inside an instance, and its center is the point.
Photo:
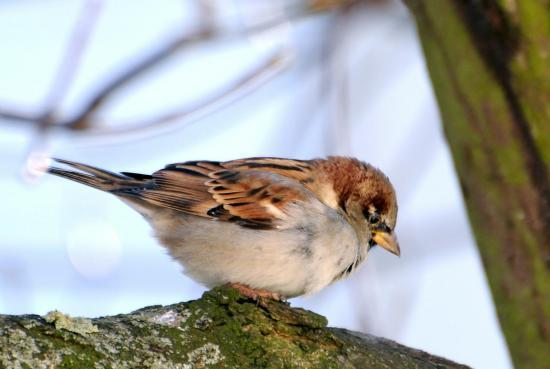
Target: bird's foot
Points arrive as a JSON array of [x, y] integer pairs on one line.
[[257, 295]]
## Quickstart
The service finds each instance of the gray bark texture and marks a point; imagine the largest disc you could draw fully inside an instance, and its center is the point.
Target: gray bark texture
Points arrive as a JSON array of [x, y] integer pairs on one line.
[[220, 330]]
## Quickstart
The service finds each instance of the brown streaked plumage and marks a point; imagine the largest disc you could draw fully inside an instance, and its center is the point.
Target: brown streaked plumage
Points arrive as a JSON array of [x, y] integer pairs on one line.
[[281, 225]]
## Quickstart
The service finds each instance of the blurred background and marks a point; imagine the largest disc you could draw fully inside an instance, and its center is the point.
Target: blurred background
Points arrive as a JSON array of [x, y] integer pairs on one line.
[[134, 85]]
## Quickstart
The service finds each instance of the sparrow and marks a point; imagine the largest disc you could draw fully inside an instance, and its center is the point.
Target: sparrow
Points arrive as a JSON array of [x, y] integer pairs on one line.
[[270, 227]]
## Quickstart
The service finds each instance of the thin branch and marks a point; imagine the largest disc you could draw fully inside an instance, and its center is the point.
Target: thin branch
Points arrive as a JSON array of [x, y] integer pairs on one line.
[[236, 90], [20, 116], [78, 42], [145, 62], [153, 59]]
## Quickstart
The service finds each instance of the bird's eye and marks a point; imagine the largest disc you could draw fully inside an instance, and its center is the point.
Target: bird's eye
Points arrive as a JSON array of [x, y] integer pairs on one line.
[[373, 218]]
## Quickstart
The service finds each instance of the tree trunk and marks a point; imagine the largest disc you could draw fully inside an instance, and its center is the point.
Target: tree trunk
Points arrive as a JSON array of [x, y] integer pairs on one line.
[[489, 64], [220, 330]]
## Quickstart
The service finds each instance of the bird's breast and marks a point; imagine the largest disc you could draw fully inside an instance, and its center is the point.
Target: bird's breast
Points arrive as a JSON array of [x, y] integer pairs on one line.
[[301, 256]]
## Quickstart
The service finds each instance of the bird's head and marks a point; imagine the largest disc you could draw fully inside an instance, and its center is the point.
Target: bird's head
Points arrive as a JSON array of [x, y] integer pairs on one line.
[[367, 199], [381, 215]]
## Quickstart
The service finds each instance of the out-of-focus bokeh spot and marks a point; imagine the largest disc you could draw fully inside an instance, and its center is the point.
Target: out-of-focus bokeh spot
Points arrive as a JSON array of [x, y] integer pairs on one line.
[[94, 248]]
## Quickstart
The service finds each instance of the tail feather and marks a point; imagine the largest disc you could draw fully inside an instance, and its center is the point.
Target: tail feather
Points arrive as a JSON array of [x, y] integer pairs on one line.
[[86, 179], [91, 169], [100, 178]]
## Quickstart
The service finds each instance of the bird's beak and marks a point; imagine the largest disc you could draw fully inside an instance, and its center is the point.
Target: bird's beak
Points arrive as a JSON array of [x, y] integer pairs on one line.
[[387, 240]]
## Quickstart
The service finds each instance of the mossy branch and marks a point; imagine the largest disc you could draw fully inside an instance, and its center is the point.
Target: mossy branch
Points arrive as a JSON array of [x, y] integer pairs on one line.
[[221, 330]]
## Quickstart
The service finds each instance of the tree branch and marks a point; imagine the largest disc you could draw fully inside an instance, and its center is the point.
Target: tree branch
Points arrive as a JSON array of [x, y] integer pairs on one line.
[[220, 330]]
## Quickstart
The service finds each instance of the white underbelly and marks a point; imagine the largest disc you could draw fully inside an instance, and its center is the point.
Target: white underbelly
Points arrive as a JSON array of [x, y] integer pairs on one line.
[[298, 260]]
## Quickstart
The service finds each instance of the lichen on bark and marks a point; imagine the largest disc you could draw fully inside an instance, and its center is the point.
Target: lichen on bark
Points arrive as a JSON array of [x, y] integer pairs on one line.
[[220, 330]]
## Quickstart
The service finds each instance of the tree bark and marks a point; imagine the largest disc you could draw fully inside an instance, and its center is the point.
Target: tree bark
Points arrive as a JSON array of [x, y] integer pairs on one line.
[[220, 330], [488, 61]]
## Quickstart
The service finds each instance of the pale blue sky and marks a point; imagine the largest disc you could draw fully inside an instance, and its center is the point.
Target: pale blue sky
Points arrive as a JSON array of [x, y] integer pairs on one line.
[[67, 247]]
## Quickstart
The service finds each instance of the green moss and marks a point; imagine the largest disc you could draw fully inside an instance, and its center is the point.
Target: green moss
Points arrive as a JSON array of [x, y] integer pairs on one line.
[[220, 330], [531, 73]]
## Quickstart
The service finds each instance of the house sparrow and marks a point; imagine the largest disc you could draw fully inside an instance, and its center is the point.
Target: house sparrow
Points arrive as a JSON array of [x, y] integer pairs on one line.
[[270, 227]]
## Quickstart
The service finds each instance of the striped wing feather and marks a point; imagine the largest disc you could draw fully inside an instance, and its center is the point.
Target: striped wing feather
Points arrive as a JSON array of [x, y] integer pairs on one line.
[[252, 192]]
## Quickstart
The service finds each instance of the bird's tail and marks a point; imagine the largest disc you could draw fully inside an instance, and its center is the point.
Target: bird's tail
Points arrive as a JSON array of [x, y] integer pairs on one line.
[[117, 183]]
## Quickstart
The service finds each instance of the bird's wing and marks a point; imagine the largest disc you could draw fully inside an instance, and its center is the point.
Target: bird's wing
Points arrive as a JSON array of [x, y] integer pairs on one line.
[[300, 170], [255, 197], [251, 192], [181, 187]]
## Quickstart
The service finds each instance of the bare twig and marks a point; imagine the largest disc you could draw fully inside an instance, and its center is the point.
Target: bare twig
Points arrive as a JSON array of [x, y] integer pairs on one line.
[[76, 46], [142, 64], [20, 116], [236, 90], [153, 59]]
